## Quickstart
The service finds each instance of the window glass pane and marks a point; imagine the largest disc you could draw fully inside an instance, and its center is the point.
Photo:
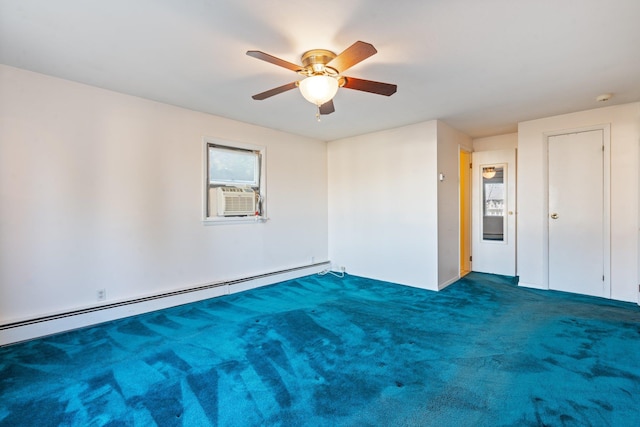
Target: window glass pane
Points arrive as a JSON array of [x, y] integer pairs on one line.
[[233, 167], [493, 200]]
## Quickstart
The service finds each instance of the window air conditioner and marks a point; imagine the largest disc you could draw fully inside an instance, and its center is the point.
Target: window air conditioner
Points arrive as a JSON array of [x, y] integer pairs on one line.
[[234, 201]]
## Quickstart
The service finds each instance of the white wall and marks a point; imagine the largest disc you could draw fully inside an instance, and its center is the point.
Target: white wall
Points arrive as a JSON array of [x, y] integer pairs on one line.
[[383, 193], [390, 218], [507, 141], [625, 166], [449, 142], [104, 190]]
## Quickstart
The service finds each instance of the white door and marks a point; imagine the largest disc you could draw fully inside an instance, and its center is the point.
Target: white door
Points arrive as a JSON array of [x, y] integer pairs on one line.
[[576, 213], [493, 200]]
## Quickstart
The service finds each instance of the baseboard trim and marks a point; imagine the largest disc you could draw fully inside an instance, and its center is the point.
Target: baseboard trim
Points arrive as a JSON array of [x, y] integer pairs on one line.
[[35, 327], [443, 285], [532, 286]]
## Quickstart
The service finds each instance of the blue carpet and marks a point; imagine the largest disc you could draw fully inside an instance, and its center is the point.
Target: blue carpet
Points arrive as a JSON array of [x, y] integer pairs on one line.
[[351, 352]]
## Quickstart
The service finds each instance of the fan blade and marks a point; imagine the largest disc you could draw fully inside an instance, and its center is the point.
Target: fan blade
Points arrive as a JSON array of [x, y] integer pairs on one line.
[[275, 91], [327, 107], [272, 59], [357, 52], [370, 86]]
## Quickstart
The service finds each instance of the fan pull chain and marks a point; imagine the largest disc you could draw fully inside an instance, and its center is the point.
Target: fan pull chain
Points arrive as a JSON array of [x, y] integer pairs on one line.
[[318, 114]]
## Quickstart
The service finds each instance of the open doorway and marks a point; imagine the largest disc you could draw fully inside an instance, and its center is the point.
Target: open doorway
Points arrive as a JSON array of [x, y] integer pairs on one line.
[[465, 211]]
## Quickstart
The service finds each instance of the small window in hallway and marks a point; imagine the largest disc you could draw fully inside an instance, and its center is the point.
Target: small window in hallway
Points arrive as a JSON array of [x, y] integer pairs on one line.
[[493, 202]]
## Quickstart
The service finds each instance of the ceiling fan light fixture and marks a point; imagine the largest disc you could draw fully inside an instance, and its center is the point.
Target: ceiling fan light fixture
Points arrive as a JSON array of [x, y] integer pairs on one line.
[[321, 72], [489, 172], [319, 89]]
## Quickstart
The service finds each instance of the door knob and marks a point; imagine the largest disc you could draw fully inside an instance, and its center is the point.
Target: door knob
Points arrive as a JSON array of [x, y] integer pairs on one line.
[[554, 216]]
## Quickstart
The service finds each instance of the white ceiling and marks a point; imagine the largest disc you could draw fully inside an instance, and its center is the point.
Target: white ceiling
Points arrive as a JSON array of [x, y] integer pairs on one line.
[[480, 66]]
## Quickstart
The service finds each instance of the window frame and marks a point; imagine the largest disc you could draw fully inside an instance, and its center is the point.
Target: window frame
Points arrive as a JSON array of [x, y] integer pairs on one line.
[[261, 188]]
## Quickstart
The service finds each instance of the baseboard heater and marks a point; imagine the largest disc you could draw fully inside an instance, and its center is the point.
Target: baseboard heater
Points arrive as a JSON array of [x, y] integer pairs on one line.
[[153, 297]]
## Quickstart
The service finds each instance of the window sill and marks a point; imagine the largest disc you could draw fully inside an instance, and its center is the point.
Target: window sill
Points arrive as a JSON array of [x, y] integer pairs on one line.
[[235, 220]]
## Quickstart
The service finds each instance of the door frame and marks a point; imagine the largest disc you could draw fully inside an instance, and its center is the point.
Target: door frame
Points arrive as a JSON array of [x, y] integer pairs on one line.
[[606, 217]]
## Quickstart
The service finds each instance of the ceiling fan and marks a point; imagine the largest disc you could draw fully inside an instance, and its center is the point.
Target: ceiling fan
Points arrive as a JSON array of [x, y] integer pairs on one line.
[[322, 71]]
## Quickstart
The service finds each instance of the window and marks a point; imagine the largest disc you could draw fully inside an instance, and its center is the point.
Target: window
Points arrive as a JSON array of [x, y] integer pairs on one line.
[[234, 182], [493, 197]]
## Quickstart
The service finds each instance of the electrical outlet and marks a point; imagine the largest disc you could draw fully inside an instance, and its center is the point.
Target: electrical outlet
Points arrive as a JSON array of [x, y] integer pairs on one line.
[[101, 294]]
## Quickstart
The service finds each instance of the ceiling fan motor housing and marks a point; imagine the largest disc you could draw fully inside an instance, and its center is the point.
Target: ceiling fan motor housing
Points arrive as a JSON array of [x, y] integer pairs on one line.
[[315, 62]]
